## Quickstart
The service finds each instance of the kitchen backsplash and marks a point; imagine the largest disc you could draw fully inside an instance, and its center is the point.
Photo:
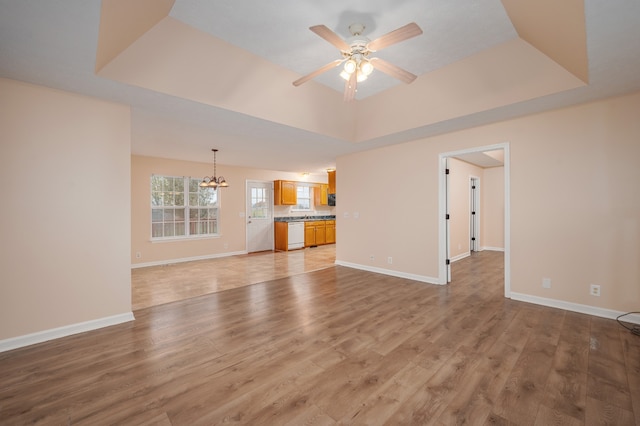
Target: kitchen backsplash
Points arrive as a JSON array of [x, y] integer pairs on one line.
[[286, 211]]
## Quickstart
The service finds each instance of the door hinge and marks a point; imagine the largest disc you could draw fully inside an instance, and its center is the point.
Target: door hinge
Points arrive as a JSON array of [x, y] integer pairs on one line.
[[447, 216], [473, 187], [448, 262], [473, 212], [473, 239], [446, 171]]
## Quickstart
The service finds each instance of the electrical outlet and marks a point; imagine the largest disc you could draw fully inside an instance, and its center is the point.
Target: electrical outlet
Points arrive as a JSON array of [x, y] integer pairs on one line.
[[138, 255], [546, 283], [372, 258], [595, 290], [389, 260]]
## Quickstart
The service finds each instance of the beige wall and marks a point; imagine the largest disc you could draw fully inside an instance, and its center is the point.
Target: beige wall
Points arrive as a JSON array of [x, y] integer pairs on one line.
[[232, 208], [492, 209], [65, 168], [574, 214]]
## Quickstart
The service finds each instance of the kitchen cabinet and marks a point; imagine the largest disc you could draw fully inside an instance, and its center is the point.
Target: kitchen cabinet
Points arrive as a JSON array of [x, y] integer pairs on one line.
[[321, 236], [315, 233], [330, 231], [309, 234], [284, 193], [321, 195], [332, 181], [281, 236]]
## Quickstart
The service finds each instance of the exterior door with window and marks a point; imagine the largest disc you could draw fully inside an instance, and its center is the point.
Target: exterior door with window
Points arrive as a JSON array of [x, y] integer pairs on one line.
[[259, 216]]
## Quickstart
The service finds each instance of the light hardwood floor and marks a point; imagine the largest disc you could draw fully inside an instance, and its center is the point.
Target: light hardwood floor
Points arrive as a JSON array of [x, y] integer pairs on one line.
[[336, 346], [157, 285]]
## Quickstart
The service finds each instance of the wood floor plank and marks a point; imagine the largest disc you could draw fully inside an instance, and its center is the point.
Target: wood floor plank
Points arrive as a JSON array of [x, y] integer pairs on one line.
[[631, 347], [330, 346], [565, 391]]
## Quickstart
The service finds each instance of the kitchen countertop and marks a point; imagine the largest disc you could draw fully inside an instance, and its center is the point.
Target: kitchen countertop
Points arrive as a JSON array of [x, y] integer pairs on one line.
[[303, 218]]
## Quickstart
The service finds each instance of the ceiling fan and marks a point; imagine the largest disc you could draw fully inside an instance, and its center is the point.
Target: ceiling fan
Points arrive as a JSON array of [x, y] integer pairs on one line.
[[356, 51]]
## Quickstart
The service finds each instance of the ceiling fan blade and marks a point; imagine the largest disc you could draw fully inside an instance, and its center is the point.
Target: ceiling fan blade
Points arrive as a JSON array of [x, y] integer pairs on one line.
[[317, 72], [396, 36], [392, 70], [350, 88], [330, 36]]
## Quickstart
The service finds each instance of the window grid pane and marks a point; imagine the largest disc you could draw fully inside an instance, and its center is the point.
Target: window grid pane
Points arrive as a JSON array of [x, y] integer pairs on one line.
[[304, 198], [259, 202], [169, 211]]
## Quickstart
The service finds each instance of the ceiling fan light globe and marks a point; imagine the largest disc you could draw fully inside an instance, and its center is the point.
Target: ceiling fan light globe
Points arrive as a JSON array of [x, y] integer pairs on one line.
[[344, 75], [350, 66], [366, 68], [360, 77]]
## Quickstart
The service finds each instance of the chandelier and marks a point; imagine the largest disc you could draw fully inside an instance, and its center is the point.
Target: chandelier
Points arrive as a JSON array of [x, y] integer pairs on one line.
[[213, 181]]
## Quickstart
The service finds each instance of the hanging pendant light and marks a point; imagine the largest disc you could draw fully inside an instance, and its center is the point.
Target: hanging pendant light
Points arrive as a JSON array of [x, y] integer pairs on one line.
[[213, 181]]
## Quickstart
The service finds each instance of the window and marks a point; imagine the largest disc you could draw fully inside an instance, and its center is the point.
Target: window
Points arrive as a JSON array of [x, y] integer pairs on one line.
[[304, 198], [174, 200], [259, 203]]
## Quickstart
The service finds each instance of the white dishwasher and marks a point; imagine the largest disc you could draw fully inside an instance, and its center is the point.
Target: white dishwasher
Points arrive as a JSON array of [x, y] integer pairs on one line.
[[296, 235]]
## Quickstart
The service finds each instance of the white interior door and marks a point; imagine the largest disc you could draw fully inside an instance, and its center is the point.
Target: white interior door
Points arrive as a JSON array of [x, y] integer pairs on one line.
[[259, 216]]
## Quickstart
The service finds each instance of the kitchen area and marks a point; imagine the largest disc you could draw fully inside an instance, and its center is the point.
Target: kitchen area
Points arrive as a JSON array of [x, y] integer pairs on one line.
[[304, 214]]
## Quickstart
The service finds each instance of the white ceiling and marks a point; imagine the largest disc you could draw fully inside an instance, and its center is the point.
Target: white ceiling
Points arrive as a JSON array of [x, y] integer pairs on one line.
[[53, 43], [281, 34]]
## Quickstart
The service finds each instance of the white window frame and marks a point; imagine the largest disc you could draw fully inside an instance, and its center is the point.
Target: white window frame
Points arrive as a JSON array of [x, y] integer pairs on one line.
[[187, 207], [297, 207]]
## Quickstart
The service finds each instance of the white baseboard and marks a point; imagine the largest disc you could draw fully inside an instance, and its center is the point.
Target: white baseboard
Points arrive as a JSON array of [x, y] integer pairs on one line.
[[460, 256], [67, 330], [576, 307], [492, 248], [421, 278], [185, 259]]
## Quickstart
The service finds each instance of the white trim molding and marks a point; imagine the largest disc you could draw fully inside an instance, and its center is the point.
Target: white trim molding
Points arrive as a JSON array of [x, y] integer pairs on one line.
[[460, 256], [67, 330], [575, 307], [185, 259], [398, 274], [492, 249]]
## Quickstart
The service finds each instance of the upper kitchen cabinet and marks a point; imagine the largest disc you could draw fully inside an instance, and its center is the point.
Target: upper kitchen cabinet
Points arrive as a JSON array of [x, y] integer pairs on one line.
[[321, 195], [285, 193], [332, 181]]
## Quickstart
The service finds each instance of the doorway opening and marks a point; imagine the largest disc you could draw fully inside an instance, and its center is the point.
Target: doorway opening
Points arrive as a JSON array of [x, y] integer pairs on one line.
[[483, 157]]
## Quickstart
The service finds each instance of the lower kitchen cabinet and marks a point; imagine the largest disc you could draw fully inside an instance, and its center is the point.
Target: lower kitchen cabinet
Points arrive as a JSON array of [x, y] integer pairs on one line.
[[330, 231], [309, 234], [320, 233], [315, 233], [281, 236]]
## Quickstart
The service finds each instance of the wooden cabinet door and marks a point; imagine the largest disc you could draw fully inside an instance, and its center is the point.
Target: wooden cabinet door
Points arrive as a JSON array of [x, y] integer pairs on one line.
[[309, 234], [321, 197], [330, 232], [332, 182], [289, 193], [281, 236], [285, 193], [320, 233]]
